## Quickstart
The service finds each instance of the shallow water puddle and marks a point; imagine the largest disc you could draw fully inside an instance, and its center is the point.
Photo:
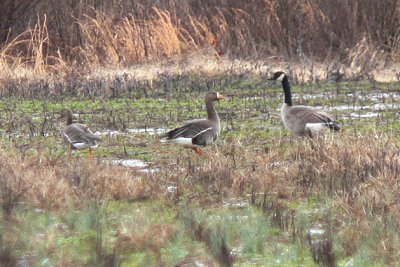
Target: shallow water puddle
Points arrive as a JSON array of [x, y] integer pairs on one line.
[[364, 115], [313, 96], [172, 189], [108, 133], [316, 231], [147, 131], [236, 203], [376, 107], [375, 96], [131, 163], [138, 164]]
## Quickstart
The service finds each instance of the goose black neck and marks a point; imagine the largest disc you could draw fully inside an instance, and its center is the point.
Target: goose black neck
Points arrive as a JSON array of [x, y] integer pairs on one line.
[[211, 112], [286, 90]]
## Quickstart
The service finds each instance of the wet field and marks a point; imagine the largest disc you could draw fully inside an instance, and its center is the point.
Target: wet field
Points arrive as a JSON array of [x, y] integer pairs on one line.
[[131, 124], [262, 222]]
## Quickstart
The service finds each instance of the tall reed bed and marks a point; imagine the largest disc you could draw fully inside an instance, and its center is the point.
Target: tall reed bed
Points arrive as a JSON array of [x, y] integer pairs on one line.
[[361, 34]]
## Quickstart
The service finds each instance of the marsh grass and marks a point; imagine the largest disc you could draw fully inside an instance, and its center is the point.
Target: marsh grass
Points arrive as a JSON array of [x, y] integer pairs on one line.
[[214, 238], [56, 183], [77, 212], [363, 194], [29, 53], [128, 32], [132, 39], [7, 257], [343, 183]]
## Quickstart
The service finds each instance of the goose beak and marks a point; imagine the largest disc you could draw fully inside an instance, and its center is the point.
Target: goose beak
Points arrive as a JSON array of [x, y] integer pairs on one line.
[[219, 96], [270, 79]]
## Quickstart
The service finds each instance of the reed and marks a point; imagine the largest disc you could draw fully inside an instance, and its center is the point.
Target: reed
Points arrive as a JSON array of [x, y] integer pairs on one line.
[[359, 34], [356, 174]]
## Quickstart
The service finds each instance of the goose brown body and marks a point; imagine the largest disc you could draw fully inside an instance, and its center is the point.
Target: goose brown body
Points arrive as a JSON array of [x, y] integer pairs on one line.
[[77, 136], [198, 133], [302, 120]]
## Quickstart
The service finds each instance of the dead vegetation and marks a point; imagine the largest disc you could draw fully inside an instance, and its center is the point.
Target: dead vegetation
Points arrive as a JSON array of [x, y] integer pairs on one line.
[[347, 166], [53, 183], [213, 238], [358, 173], [67, 36], [153, 238], [67, 48]]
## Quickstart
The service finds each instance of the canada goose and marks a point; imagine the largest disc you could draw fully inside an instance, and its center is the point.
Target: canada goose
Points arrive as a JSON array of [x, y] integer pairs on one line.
[[77, 136], [198, 133], [302, 120]]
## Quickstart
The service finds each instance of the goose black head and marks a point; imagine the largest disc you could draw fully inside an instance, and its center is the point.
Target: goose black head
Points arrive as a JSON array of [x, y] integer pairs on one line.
[[278, 76]]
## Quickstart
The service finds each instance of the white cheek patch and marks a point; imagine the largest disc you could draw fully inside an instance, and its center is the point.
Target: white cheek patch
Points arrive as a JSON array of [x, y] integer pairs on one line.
[[280, 78]]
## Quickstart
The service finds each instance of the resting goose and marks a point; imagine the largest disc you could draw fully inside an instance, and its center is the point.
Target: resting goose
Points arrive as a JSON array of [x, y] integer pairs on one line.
[[196, 134], [77, 136], [302, 120]]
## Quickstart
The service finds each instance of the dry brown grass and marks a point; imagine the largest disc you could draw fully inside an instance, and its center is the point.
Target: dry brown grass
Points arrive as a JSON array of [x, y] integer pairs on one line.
[[348, 166], [310, 39], [358, 34], [357, 173], [351, 168], [110, 42], [29, 53], [152, 237], [54, 182]]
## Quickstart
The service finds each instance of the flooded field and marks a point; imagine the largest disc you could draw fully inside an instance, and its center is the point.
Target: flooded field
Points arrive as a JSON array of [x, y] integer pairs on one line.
[[130, 127], [231, 194]]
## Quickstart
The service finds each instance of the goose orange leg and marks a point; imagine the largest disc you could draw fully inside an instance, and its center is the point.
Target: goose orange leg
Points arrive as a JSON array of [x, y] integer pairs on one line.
[[91, 153], [198, 150]]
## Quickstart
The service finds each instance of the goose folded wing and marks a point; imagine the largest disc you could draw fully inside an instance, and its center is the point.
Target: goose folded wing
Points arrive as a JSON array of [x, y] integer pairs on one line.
[[80, 133], [81, 137], [205, 137], [189, 130], [310, 115], [86, 132]]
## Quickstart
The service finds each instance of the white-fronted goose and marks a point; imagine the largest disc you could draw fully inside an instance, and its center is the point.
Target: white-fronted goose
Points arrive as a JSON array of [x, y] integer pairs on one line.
[[196, 134], [77, 136], [302, 120]]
